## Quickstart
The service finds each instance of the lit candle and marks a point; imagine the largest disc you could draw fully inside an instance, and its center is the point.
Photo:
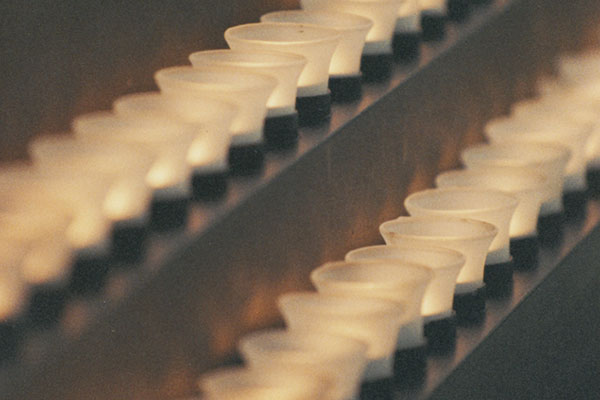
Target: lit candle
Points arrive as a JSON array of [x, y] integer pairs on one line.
[[281, 124], [446, 264], [377, 59], [407, 32], [373, 321], [247, 90], [530, 187], [393, 280], [118, 173], [249, 384], [46, 265], [550, 159], [433, 19], [166, 140], [315, 43], [488, 205], [344, 69], [340, 359], [468, 236]]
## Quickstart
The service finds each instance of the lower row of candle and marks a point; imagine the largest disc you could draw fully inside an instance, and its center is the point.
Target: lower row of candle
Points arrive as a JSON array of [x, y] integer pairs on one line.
[[376, 315]]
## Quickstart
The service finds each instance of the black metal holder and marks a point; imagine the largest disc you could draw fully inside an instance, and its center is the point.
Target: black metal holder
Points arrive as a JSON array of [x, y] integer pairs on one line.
[[410, 367], [209, 186], [433, 26], [376, 67], [593, 181], [10, 339], [281, 132], [169, 213], [524, 252], [314, 110], [345, 89], [381, 389], [89, 273], [46, 305], [470, 307], [246, 159], [129, 241], [574, 202], [441, 335], [551, 229], [458, 10], [498, 279], [406, 46]]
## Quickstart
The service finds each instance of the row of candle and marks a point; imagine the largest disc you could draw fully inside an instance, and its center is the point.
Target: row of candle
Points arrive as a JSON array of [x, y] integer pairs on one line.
[[85, 200], [374, 314]]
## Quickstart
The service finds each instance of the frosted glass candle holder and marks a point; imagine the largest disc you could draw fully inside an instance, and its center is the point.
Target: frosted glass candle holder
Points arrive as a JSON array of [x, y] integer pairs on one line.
[[388, 279], [377, 60], [211, 119], [344, 69], [547, 130], [248, 91], [407, 32], [580, 68], [470, 237], [374, 321], [167, 141], [446, 264], [433, 19], [340, 359], [47, 262], [314, 43], [114, 176], [13, 297], [250, 384], [487, 205], [281, 124]]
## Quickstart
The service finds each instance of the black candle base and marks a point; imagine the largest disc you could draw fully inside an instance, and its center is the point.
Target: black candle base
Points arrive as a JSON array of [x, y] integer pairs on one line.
[[470, 307], [46, 305], [89, 274], [550, 229], [433, 26], [575, 202], [281, 132], [10, 340], [129, 241], [381, 389], [498, 279], [314, 110], [458, 10], [410, 366], [376, 67], [406, 46], [593, 181], [345, 89], [441, 335], [210, 186], [169, 213], [524, 252], [481, 2], [246, 159]]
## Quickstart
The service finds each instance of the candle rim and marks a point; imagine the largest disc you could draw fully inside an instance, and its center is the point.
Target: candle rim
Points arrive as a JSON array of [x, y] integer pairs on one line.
[[375, 306], [328, 35], [413, 199], [535, 181], [361, 23], [552, 152], [485, 229], [217, 57]]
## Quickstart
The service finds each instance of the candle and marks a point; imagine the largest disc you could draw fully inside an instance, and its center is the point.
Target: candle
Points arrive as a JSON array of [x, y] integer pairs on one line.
[[373, 321], [340, 359], [446, 264], [315, 43], [281, 124], [248, 91], [470, 237], [487, 205], [376, 63], [344, 68]]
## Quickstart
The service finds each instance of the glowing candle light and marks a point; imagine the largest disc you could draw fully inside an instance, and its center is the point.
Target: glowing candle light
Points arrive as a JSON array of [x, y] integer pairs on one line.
[[446, 264], [249, 384], [487, 205], [344, 69], [340, 359], [314, 43], [530, 187], [249, 91], [377, 59], [407, 32], [373, 321], [468, 236], [211, 119], [281, 124]]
